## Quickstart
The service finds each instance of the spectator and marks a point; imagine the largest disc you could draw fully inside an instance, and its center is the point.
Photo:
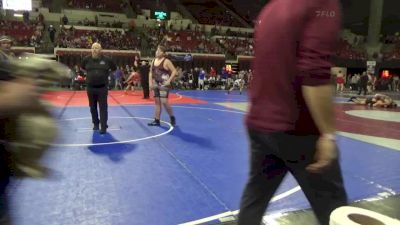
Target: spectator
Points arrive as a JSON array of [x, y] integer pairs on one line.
[[26, 17], [52, 33], [64, 20]]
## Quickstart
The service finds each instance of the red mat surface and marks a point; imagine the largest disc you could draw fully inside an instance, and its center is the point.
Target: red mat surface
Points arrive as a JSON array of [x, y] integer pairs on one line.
[[79, 98], [358, 125]]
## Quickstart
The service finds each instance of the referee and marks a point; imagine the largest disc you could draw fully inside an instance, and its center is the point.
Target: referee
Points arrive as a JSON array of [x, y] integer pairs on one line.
[[144, 79], [98, 68]]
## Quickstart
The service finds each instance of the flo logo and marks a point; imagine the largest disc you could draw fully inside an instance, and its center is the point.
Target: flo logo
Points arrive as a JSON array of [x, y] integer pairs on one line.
[[325, 13]]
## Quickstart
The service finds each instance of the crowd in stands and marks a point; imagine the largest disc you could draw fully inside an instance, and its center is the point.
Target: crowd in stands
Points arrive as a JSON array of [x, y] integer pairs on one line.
[[96, 23], [230, 32], [209, 12], [98, 5], [217, 30], [246, 11], [237, 46], [391, 39], [27, 33], [194, 78], [375, 83], [182, 41], [178, 41], [347, 51], [218, 19], [30, 33], [110, 39], [211, 79], [395, 52]]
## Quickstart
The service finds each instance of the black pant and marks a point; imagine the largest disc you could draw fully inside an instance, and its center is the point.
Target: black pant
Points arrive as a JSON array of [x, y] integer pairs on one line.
[[4, 180], [146, 91], [363, 87], [272, 156], [98, 96], [3, 200]]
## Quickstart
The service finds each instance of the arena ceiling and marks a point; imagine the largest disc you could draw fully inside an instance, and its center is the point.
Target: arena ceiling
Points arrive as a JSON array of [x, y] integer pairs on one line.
[[356, 14]]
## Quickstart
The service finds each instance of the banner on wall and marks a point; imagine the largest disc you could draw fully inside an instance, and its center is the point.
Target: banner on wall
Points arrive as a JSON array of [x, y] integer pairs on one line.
[[371, 67]]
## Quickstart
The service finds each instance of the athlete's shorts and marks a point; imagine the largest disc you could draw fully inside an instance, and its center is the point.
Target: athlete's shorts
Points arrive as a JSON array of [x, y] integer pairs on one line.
[[161, 92]]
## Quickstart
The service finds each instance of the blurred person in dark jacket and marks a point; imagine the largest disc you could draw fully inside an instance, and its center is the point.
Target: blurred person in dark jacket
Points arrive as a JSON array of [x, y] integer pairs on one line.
[[144, 70]]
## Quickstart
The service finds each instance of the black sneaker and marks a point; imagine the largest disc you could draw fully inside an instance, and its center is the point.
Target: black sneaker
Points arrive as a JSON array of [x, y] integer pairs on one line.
[[155, 122], [103, 130], [96, 127], [173, 121]]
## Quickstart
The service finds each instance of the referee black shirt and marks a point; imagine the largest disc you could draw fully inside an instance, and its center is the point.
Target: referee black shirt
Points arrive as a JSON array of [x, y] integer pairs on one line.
[[97, 70]]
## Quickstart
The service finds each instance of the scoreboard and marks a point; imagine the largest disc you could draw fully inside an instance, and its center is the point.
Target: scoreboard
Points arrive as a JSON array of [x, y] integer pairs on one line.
[[160, 15], [17, 5]]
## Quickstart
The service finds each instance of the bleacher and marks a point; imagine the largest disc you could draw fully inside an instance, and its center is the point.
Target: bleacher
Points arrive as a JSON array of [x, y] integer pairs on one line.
[[246, 11], [110, 39], [186, 40], [191, 41], [20, 31], [347, 51], [209, 12], [394, 53], [98, 5], [236, 46]]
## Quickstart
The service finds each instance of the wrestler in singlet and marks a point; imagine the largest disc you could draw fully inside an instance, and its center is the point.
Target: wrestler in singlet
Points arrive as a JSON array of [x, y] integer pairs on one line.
[[160, 77], [370, 100], [340, 79], [133, 78], [386, 100]]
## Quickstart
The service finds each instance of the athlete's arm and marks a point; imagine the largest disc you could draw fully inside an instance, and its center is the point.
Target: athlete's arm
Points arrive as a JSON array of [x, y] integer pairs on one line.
[[171, 68], [151, 75], [316, 45]]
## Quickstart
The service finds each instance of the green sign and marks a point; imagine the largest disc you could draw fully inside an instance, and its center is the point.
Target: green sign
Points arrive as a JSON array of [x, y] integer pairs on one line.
[[160, 15]]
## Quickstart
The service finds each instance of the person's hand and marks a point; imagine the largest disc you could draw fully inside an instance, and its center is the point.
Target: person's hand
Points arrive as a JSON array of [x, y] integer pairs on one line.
[[326, 153]]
